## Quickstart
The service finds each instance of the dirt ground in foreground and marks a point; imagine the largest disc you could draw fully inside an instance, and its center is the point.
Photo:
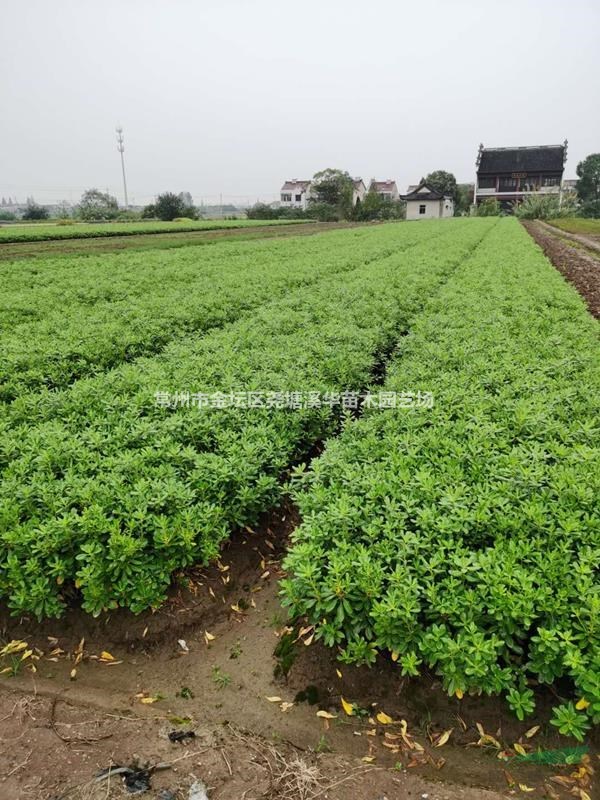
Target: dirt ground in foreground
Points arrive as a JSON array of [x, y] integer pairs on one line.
[[263, 700], [579, 264]]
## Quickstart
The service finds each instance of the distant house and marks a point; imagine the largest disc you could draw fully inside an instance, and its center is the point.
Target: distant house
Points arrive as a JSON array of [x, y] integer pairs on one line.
[[509, 174], [425, 202], [387, 190], [295, 194], [359, 190], [569, 185]]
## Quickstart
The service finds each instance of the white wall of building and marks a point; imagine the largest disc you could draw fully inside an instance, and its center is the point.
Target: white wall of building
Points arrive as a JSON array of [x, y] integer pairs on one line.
[[429, 209]]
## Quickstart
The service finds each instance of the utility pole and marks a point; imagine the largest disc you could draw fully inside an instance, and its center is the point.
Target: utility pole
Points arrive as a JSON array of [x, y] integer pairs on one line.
[[121, 149]]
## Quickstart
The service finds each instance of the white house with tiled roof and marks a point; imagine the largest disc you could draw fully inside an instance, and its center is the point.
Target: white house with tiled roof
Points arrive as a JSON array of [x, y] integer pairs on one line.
[[387, 190], [425, 202], [295, 194]]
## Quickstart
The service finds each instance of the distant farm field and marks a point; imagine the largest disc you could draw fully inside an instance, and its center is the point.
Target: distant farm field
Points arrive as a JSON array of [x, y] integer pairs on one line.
[[461, 534], [82, 230], [578, 225]]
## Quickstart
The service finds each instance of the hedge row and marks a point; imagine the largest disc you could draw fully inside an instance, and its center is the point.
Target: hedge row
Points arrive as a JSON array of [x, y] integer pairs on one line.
[[68, 319], [102, 490], [468, 539]]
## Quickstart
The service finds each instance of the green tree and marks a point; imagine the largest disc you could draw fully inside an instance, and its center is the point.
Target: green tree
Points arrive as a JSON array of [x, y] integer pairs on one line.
[[97, 205], [169, 206], [35, 211], [588, 185], [464, 198], [444, 182], [375, 207], [333, 188]]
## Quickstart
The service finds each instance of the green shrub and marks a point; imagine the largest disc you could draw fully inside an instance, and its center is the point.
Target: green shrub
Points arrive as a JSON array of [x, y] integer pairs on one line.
[[468, 537], [105, 492], [490, 207], [546, 206]]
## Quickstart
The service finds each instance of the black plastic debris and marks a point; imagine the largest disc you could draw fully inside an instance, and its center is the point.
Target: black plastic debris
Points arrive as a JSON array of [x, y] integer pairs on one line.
[[180, 736], [136, 779]]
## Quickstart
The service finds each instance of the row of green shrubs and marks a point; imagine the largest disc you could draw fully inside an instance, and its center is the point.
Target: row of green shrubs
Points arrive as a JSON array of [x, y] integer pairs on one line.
[[468, 539], [104, 492], [64, 321]]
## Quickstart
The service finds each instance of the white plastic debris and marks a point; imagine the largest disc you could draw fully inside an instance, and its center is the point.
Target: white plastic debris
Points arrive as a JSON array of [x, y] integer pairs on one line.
[[197, 791]]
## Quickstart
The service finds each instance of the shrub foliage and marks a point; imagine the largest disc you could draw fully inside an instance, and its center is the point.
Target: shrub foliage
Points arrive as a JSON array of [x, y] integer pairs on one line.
[[468, 539]]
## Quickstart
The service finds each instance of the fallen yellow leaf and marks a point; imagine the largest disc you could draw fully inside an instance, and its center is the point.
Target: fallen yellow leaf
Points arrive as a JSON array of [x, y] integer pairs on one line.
[[73, 674], [384, 719], [348, 707], [395, 655], [581, 704], [532, 731], [518, 748], [274, 699], [368, 759], [106, 656], [338, 673], [148, 700], [524, 788], [459, 693], [444, 738], [326, 715]]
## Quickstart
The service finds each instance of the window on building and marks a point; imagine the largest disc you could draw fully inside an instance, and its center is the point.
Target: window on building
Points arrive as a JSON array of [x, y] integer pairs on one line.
[[286, 198], [507, 184], [550, 180], [298, 198], [422, 208], [486, 182]]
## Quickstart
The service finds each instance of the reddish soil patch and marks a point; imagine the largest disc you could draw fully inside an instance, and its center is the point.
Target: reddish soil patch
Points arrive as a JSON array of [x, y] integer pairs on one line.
[[59, 728], [579, 266]]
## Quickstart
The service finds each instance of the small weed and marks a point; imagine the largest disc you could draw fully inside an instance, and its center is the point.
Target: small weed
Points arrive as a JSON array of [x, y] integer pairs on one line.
[[222, 679], [323, 745], [185, 693], [236, 650], [285, 655]]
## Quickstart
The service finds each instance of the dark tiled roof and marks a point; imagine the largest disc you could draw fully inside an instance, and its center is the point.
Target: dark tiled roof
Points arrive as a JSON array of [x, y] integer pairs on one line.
[[294, 184], [416, 194], [521, 159]]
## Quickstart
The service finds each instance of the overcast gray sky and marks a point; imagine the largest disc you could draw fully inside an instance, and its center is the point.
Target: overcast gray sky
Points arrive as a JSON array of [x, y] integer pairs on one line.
[[234, 96]]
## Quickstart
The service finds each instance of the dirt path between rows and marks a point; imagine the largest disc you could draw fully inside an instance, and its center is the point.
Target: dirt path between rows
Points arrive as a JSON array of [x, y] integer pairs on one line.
[[579, 265], [219, 659]]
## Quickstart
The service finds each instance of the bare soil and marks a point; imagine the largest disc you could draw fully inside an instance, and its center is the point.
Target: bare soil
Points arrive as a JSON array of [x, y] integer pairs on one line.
[[220, 659], [575, 257]]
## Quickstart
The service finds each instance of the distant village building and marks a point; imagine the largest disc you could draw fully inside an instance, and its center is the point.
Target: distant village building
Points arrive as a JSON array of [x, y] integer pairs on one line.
[[359, 190], [510, 174], [387, 190], [569, 185], [295, 194], [425, 202]]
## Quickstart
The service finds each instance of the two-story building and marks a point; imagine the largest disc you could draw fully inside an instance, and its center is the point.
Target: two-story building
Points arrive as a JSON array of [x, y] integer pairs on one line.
[[295, 194], [387, 190], [509, 174]]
